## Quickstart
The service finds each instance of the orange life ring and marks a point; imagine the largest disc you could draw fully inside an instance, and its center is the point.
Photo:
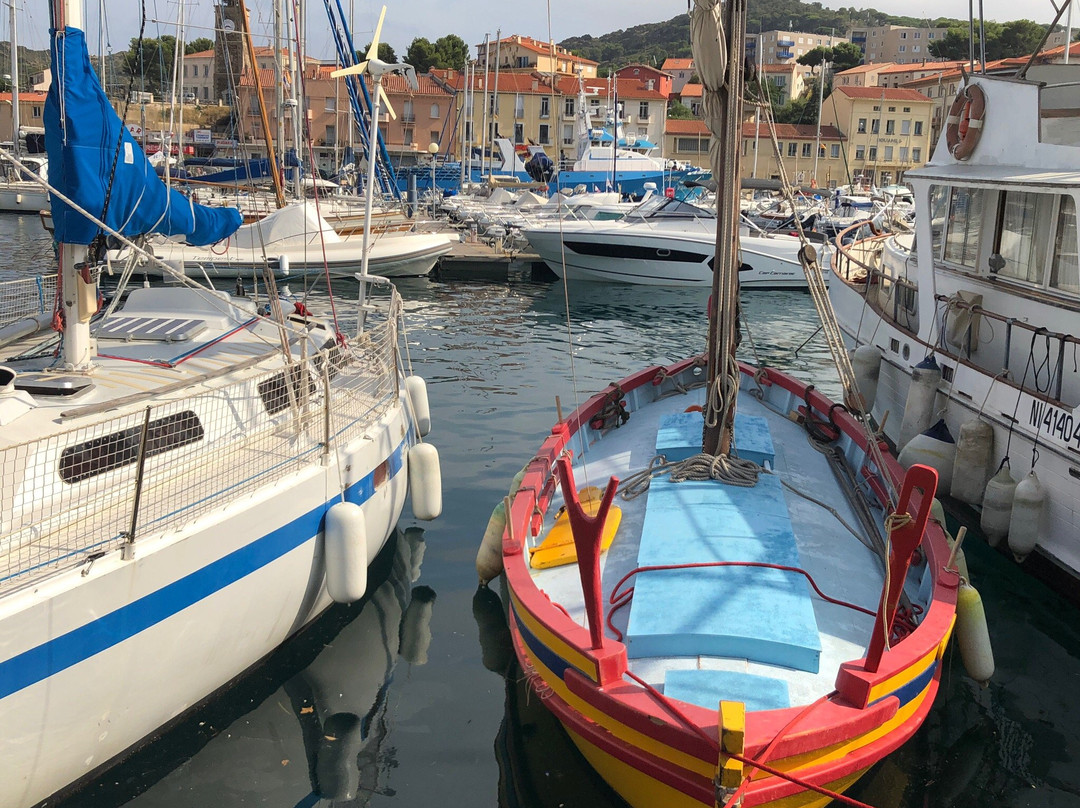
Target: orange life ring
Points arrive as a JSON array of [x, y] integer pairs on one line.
[[964, 125]]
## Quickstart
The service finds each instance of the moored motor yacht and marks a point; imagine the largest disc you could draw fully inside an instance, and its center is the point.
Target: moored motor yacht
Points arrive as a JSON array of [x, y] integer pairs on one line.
[[972, 318], [663, 242]]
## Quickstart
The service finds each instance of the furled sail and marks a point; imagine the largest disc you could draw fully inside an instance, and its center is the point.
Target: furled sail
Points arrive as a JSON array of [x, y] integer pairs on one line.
[[85, 139]]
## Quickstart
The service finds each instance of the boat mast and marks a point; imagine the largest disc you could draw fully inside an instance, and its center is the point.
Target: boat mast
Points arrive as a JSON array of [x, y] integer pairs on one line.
[[721, 71], [77, 349], [295, 42], [495, 103], [279, 193], [484, 118], [14, 83], [279, 77]]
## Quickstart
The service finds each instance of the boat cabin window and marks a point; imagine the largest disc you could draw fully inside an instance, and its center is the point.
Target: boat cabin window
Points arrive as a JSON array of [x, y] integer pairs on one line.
[[1065, 272], [964, 225], [276, 395], [939, 206], [121, 448], [1021, 239]]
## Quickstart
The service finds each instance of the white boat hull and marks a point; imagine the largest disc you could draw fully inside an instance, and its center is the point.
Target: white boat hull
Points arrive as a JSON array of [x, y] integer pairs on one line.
[[96, 659], [974, 394], [391, 256], [29, 199], [665, 259]]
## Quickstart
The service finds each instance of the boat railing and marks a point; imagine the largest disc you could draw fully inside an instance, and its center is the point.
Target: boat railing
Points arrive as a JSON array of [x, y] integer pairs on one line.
[[26, 297], [859, 263], [962, 341], [72, 497]]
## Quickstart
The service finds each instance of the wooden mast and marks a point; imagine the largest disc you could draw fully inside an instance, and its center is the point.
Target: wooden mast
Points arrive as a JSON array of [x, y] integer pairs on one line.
[[279, 193], [723, 113]]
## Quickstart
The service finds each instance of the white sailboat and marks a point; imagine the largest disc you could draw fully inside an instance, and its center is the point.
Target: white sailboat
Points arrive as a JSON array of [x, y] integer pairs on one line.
[[18, 192], [186, 482]]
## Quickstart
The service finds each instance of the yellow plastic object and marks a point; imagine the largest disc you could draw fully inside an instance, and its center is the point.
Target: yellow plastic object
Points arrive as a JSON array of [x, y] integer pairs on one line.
[[557, 548]]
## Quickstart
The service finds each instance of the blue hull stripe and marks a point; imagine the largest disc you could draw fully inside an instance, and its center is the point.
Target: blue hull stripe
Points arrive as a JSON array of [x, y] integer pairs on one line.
[[552, 661], [907, 692], [78, 645]]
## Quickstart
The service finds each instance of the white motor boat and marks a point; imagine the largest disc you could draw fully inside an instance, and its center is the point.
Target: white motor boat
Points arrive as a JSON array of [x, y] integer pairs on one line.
[[296, 241], [664, 242], [972, 319]]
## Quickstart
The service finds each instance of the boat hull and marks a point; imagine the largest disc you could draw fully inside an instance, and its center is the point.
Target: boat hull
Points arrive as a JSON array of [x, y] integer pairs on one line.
[[661, 259], [31, 199], [96, 659], [656, 751], [1040, 428], [391, 256]]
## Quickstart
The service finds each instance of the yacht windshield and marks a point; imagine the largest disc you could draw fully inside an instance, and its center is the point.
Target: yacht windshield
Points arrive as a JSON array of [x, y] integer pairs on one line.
[[659, 207]]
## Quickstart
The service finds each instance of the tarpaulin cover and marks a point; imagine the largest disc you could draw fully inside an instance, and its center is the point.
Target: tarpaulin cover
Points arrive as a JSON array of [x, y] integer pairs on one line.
[[81, 136]]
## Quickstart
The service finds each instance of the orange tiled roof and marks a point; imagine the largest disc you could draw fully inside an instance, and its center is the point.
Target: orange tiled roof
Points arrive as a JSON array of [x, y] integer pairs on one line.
[[887, 93], [677, 64]]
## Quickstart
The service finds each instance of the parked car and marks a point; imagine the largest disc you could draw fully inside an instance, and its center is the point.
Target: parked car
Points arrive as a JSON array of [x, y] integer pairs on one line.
[[189, 98]]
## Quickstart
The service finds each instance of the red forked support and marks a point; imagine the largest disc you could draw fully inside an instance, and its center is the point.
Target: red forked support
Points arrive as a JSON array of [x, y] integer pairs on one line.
[[903, 540], [588, 532]]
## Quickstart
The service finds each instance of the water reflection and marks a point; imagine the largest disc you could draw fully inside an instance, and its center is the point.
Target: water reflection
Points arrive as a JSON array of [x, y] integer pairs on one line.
[[321, 733], [539, 767]]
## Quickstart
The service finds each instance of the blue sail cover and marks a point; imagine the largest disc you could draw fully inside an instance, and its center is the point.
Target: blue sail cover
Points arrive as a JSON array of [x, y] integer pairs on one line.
[[81, 136]]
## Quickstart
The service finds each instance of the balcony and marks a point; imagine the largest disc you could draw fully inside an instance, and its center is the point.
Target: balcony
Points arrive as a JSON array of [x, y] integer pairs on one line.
[[784, 54], [785, 43], [858, 39]]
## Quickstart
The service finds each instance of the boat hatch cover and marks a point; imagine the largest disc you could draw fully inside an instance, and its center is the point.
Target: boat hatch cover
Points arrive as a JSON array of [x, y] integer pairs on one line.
[[158, 329]]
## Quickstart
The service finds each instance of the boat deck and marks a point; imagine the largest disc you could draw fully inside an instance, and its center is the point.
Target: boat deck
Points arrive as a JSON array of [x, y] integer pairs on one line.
[[708, 600]]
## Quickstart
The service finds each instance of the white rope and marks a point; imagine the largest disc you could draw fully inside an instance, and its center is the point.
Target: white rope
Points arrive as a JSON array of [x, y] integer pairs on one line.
[[819, 293]]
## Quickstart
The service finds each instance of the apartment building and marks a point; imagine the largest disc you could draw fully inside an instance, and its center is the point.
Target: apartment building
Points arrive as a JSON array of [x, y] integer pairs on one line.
[[531, 109], [424, 115], [198, 72], [660, 80], [680, 70], [689, 141], [860, 75], [896, 43], [789, 79], [525, 54], [784, 47], [887, 130]]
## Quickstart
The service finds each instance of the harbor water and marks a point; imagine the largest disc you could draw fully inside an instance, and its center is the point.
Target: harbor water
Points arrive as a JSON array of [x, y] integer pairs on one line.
[[413, 698]]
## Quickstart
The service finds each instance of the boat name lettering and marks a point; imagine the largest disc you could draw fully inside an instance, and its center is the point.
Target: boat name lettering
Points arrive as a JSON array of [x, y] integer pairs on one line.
[[1055, 422]]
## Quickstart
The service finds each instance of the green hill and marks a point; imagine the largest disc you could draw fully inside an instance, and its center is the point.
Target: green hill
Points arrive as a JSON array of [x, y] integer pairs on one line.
[[652, 43]]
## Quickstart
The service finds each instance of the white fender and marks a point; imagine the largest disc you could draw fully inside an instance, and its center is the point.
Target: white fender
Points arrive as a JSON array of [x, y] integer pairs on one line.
[[997, 506], [425, 481], [416, 387], [974, 454], [283, 264], [866, 362], [972, 634], [934, 448], [489, 564], [345, 551], [1027, 516], [919, 407]]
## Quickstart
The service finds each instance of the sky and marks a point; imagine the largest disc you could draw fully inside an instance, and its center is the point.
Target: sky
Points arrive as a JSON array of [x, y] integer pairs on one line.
[[469, 19]]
